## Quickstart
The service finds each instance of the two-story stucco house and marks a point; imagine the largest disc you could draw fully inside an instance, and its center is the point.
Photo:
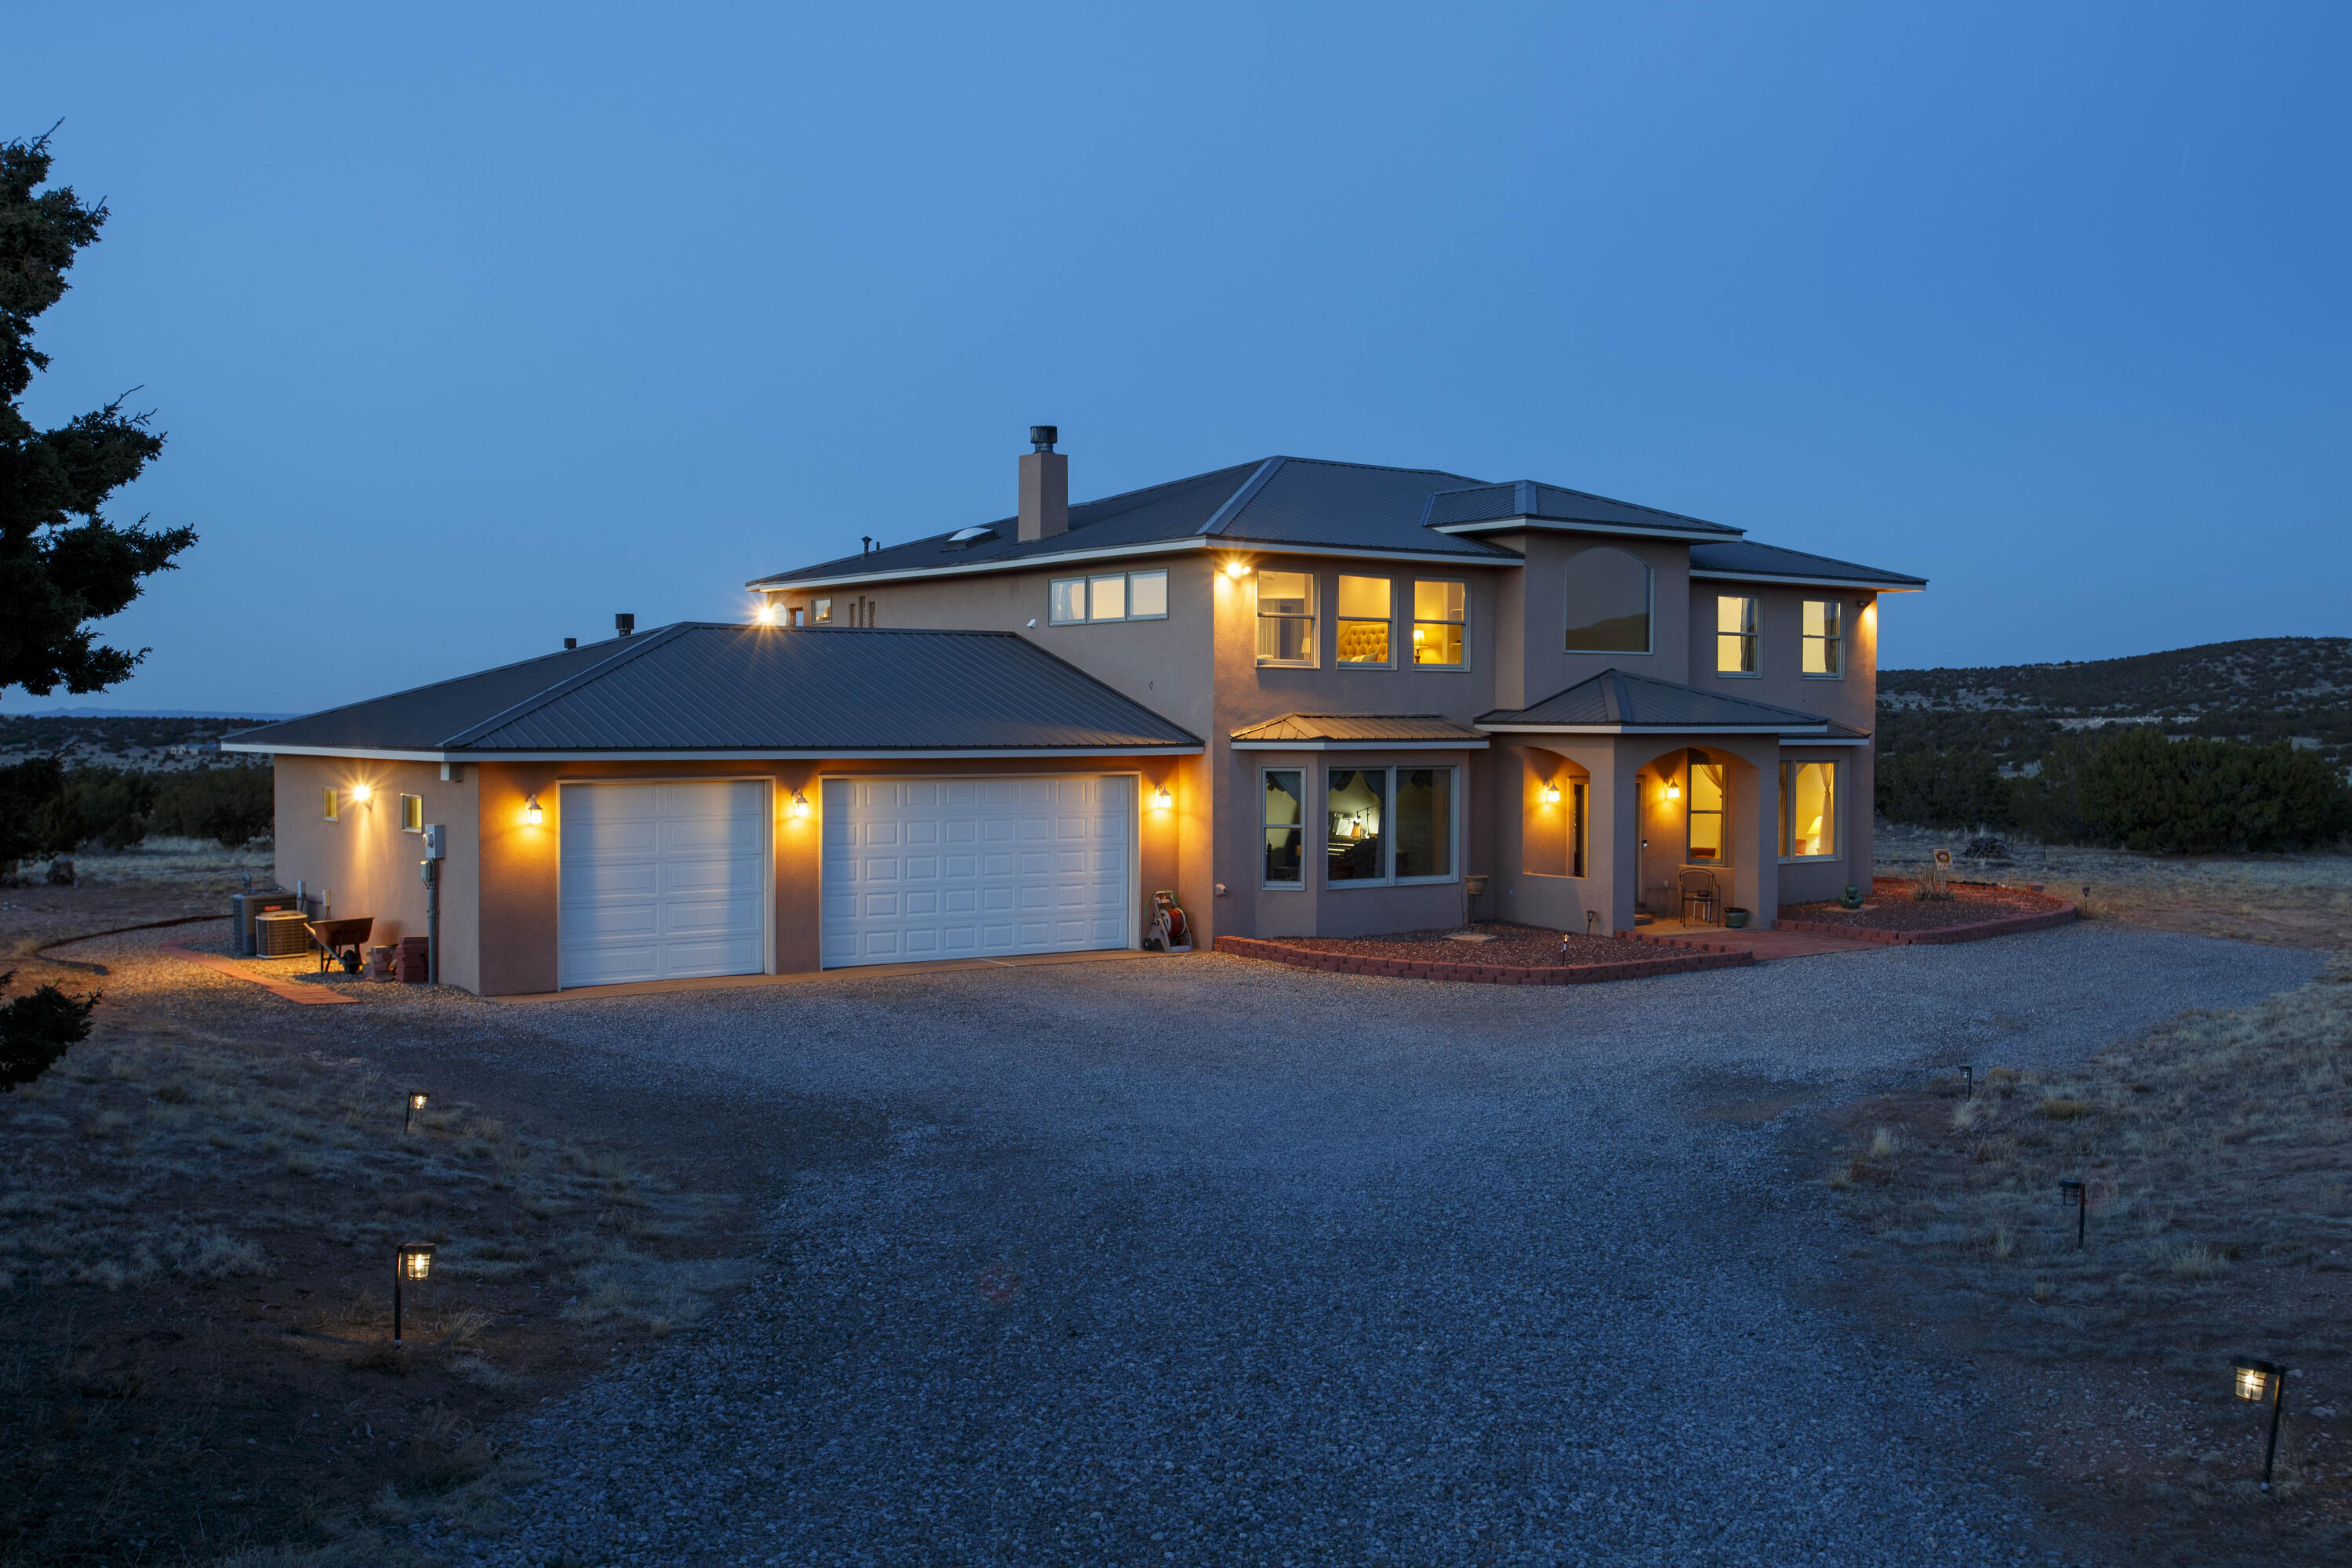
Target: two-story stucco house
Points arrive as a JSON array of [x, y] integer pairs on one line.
[[1309, 697]]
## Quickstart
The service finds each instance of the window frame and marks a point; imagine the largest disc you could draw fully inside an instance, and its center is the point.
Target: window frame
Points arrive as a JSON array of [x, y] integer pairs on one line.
[[412, 806], [1340, 622], [1413, 649], [1833, 640], [333, 804], [821, 611], [1722, 811], [1313, 617], [1306, 818], [1753, 636], [1649, 606], [1836, 813], [1388, 879], [1085, 582]]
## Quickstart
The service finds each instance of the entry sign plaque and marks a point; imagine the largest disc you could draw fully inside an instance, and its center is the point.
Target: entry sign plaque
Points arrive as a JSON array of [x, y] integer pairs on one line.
[[1943, 859]]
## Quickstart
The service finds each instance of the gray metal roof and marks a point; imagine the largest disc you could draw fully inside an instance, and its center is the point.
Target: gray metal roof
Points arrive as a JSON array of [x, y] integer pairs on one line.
[[1614, 699], [1555, 503], [1360, 727], [1743, 558], [703, 687]]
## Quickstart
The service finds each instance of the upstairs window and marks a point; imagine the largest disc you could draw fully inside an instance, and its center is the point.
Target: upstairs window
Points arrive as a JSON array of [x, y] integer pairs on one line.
[[331, 805], [1439, 612], [1735, 635], [821, 611], [1109, 596], [1608, 602], [1364, 620], [1824, 639], [1286, 617], [412, 814]]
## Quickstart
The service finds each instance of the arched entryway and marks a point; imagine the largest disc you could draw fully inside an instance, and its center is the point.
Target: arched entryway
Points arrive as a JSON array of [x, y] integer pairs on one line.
[[1700, 850]]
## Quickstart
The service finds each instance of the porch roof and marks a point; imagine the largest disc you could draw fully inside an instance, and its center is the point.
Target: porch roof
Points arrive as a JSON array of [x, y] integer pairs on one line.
[[1326, 731], [1616, 702]]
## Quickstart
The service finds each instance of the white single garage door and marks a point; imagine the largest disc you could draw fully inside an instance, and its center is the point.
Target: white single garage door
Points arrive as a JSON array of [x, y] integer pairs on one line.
[[662, 882], [978, 867]]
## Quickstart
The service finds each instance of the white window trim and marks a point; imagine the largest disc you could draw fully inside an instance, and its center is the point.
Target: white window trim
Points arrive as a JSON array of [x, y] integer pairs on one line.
[[821, 611], [1837, 642], [1388, 845], [1649, 612], [1837, 808], [1755, 638], [420, 813], [1306, 820], [1313, 617], [1412, 619], [1338, 621], [1086, 581]]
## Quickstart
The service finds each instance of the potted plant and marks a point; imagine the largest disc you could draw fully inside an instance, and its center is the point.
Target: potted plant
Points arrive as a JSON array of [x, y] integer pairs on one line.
[[1736, 920]]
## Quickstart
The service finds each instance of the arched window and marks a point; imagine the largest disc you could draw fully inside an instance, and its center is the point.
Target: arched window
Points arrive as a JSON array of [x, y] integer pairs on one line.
[[1608, 602]]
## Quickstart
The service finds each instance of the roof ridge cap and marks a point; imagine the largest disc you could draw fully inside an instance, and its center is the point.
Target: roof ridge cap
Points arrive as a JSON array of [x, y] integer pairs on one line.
[[660, 638]]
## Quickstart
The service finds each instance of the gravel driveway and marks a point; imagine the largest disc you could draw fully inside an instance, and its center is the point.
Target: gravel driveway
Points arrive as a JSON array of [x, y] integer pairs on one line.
[[1207, 1261]]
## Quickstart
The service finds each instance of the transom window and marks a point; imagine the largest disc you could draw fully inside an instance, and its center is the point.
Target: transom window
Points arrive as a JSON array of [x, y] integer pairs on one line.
[[1364, 620], [1808, 811], [1608, 602], [1439, 612], [1286, 617], [1735, 635], [1824, 639], [1389, 824], [1283, 819], [1109, 596]]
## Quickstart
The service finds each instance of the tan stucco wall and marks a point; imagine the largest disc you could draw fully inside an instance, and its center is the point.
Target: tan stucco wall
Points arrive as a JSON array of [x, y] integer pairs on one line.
[[365, 865], [1849, 699]]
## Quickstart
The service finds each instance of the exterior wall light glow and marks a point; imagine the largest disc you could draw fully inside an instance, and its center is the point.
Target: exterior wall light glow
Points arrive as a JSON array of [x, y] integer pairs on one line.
[[800, 807], [417, 1098], [363, 792], [411, 1263], [766, 613], [1674, 789], [1551, 794], [1160, 799], [2258, 1380], [533, 813], [1237, 571]]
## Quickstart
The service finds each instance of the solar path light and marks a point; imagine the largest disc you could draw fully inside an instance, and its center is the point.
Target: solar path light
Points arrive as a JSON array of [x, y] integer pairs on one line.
[[2258, 1380], [417, 1098], [2073, 1193], [413, 1260]]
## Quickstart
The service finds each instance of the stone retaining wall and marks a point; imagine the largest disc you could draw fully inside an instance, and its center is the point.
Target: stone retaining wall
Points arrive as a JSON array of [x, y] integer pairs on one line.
[[1479, 973], [2058, 913]]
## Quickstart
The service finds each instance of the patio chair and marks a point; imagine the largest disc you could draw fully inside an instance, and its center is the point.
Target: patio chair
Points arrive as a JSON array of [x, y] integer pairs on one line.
[[1698, 891]]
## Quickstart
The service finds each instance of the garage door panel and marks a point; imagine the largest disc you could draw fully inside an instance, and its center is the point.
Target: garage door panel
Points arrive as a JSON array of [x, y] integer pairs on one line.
[[1013, 865], [662, 882]]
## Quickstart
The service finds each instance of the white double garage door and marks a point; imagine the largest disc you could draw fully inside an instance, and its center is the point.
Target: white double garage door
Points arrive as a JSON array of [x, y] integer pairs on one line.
[[662, 881]]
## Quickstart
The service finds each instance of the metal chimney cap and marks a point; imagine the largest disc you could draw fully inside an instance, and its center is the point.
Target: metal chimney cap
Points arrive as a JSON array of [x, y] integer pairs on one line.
[[624, 622], [1043, 437], [569, 643]]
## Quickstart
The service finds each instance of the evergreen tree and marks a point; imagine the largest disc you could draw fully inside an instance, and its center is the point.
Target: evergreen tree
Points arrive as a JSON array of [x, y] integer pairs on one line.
[[62, 563]]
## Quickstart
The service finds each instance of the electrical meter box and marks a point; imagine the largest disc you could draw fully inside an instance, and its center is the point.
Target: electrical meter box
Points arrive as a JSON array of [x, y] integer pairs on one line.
[[436, 841]]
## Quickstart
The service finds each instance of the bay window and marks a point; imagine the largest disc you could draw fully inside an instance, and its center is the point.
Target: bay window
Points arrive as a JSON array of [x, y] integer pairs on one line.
[[1388, 825]]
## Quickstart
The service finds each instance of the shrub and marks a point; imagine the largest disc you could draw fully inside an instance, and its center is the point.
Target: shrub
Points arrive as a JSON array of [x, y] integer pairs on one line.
[[35, 1030], [108, 804], [231, 804], [1933, 788], [2197, 796], [26, 789]]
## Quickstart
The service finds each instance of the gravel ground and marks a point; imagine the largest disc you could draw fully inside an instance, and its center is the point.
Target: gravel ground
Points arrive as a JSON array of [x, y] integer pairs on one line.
[[1197, 1260]]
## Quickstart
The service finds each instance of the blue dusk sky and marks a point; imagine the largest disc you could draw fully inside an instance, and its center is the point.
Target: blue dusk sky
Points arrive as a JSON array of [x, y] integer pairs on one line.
[[473, 326]]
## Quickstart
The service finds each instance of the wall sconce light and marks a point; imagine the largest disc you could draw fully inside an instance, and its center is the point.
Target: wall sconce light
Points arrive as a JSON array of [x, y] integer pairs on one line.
[[1674, 789], [413, 1261], [531, 813], [2073, 1193], [766, 613], [417, 1098], [2258, 1380], [1551, 794], [363, 792], [1236, 570], [799, 806], [1160, 799]]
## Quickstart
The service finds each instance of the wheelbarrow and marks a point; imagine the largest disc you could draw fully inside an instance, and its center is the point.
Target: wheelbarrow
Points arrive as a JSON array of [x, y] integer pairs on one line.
[[344, 940]]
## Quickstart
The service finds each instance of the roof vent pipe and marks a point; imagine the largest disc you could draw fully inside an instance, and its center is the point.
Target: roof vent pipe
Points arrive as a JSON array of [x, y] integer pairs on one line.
[[1045, 486], [571, 643], [625, 624]]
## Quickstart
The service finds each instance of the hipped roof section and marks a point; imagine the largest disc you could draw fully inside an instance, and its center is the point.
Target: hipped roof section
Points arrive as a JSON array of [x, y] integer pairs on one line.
[[1404, 727], [711, 690], [1615, 700]]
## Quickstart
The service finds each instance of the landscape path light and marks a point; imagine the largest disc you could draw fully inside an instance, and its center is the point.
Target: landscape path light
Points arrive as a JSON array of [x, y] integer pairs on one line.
[[413, 1260], [417, 1098], [2258, 1380], [2073, 1192]]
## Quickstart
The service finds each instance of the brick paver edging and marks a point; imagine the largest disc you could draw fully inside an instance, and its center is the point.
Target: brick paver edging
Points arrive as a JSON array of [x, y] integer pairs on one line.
[[2059, 912], [1479, 973]]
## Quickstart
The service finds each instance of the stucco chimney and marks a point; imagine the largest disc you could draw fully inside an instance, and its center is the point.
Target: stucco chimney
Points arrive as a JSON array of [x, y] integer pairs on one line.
[[1045, 486]]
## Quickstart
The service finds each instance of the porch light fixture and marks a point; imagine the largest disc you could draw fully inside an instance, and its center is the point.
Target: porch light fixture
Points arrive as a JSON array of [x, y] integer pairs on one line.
[[1674, 789], [1236, 570], [2258, 1380], [533, 813], [799, 806], [2075, 1193], [1160, 799], [413, 1261], [766, 613], [363, 792], [1551, 794], [416, 1098]]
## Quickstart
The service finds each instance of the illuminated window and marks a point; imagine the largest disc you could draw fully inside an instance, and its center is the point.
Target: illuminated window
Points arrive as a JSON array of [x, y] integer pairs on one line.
[[1367, 840], [1113, 596], [1608, 602], [1824, 639], [1705, 798], [1364, 621], [1808, 811], [412, 814], [1286, 617], [1735, 635], [1439, 612], [1284, 820], [821, 611], [332, 809]]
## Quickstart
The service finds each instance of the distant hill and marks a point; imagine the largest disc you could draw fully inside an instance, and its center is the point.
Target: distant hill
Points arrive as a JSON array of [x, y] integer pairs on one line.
[[2266, 689], [119, 740]]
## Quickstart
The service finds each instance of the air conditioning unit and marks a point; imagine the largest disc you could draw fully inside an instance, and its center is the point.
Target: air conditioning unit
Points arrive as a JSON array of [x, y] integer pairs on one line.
[[283, 933], [243, 907]]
